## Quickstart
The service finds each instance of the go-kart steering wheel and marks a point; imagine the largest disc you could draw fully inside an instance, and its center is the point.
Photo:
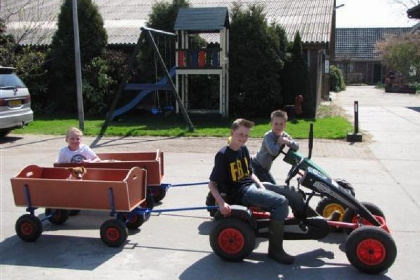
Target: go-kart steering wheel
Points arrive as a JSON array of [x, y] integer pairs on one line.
[[294, 170]]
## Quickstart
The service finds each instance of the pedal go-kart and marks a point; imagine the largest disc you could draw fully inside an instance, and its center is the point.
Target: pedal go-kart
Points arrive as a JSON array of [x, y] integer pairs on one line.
[[327, 206], [369, 246]]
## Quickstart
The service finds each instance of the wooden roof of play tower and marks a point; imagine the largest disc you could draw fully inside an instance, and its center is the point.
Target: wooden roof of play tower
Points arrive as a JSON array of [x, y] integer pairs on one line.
[[202, 20]]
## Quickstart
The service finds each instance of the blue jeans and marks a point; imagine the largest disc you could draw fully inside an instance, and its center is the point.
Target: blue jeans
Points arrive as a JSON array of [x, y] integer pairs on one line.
[[294, 198], [269, 200]]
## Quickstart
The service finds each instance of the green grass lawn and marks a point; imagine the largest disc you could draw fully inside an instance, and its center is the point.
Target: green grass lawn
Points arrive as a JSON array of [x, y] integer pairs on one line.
[[331, 127]]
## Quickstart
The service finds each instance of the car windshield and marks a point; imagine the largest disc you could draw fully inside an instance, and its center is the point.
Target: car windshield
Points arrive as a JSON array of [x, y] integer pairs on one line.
[[10, 81]]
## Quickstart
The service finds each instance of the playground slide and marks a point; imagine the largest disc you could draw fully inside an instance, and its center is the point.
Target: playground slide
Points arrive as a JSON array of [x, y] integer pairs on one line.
[[142, 94]]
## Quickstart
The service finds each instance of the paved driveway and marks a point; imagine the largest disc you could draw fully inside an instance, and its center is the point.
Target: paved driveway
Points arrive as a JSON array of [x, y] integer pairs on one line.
[[175, 245]]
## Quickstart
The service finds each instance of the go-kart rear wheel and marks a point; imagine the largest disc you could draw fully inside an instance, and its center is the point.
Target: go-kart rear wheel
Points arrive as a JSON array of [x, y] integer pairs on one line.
[[345, 185], [351, 216], [232, 239], [57, 216], [371, 249], [327, 206], [113, 233], [28, 228]]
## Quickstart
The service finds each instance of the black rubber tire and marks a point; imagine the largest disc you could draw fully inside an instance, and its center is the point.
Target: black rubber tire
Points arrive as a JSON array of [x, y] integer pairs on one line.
[[232, 239], [346, 185], [210, 201], [74, 212], [113, 233], [149, 203], [60, 215], [370, 249], [4, 132], [159, 193], [326, 206], [350, 215], [28, 228], [134, 220]]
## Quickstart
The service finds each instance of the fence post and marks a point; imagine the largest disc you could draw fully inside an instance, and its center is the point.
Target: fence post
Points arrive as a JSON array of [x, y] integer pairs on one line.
[[355, 136]]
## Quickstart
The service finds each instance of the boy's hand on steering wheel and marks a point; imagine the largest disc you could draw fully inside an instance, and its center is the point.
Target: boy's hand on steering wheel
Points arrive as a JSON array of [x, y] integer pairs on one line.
[[283, 141]]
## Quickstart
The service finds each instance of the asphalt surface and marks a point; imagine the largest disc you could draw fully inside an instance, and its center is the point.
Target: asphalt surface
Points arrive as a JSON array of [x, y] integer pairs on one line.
[[384, 169]]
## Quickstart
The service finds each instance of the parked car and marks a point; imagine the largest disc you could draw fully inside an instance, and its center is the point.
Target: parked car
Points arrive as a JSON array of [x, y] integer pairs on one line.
[[15, 102]]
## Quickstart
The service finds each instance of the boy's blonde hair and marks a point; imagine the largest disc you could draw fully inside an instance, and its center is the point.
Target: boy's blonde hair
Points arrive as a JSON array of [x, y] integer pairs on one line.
[[279, 114], [74, 130], [241, 122]]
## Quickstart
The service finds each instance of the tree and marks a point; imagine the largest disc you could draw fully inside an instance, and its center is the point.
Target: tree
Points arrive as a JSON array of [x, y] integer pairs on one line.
[[93, 40], [162, 17], [32, 21], [28, 62], [401, 53], [295, 78], [7, 43], [255, 60], [407, 3]]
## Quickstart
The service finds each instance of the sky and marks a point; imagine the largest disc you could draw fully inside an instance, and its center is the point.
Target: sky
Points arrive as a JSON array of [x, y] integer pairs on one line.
[[373, 13]]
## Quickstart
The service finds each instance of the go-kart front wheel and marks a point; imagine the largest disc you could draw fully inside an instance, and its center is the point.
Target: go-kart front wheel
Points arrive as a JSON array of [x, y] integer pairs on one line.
[[351, 216], [232, 239], [371, 249]]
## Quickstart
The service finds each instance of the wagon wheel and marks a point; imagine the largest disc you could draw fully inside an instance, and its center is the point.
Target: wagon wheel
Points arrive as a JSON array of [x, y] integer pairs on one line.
[[232, 239], [327, 206], [132, 221], [28, 228], [113, 233], [74, 212], [57, 216], [350, 216], [159, 193], [149, 203], [371, 249]]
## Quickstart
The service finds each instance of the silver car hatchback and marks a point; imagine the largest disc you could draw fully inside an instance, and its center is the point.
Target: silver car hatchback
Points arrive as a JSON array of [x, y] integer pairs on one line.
[[15, 102]]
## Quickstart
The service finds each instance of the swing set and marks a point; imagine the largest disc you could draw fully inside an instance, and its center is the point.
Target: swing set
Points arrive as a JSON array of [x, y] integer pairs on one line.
[[165, 83], [157, 108]]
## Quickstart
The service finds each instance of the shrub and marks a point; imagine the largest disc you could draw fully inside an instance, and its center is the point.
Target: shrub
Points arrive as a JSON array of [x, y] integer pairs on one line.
[[336, 79]]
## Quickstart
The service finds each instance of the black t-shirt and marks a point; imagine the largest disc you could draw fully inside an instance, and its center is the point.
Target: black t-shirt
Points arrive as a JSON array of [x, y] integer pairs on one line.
[[232, 171]]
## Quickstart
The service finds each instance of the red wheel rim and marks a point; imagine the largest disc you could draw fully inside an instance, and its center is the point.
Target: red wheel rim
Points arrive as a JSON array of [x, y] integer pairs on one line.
[[112, 234], [231, 241], [133, 219], [371, 252], [26, 229], [156, 193]]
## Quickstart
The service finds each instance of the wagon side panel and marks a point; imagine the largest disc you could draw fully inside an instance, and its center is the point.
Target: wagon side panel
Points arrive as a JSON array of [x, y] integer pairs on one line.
[[136, 186], [71, 194]]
